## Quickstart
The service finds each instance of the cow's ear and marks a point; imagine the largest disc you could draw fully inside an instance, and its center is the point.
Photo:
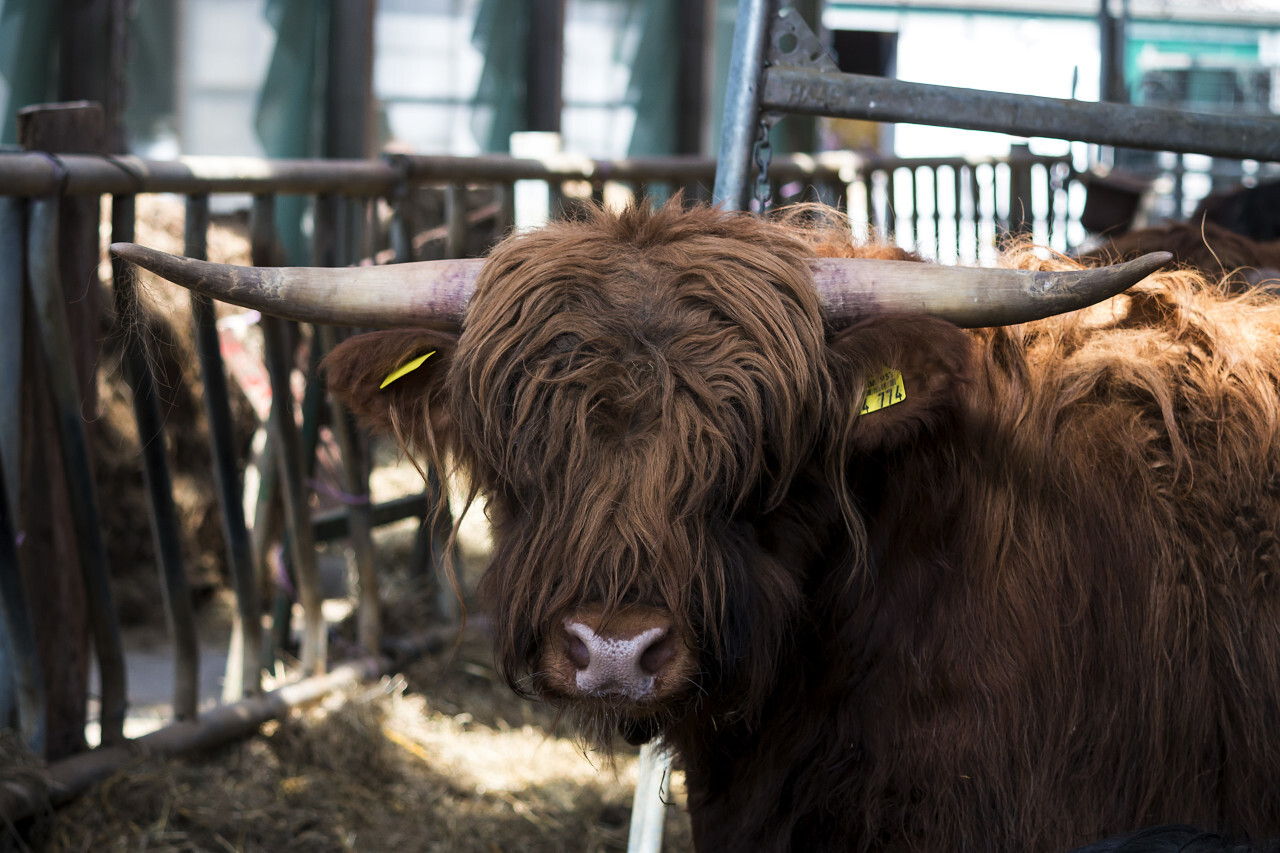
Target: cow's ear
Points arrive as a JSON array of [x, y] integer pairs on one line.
[[898, 377], [394, 382]]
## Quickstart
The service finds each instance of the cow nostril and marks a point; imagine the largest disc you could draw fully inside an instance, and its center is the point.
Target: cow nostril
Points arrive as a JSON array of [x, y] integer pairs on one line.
[[577, 652], [657, 655]]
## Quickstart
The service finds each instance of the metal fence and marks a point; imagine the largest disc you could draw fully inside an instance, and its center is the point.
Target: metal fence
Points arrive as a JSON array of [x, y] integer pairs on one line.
[[395, 209]]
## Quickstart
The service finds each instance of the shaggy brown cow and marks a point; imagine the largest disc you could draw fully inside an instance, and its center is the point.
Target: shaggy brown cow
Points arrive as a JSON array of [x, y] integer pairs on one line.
[[1222, 255], [1026, 598]]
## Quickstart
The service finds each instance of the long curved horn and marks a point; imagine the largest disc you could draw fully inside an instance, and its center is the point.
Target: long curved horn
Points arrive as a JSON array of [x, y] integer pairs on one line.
[[376, 297], [969, 297], [411, 294]]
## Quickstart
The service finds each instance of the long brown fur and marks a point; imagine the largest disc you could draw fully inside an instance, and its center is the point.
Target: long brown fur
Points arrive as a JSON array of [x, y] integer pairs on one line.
[[1035, 604]]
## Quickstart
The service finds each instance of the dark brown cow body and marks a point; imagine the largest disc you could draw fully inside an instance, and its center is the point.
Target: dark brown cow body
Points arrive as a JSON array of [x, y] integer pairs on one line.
[[1033, 604], [1228, 258]]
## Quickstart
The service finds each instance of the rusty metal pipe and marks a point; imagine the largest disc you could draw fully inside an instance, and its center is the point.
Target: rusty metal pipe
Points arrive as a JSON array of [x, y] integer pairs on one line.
[[279, 358], [809, 91], [175, 591], [244, 669]]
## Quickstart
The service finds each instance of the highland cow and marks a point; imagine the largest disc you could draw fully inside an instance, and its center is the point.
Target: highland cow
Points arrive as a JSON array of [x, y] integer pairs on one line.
[[879, 582]]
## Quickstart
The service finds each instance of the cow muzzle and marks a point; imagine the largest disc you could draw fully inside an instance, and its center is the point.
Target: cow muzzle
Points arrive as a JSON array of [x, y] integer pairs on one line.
[[635, 660]]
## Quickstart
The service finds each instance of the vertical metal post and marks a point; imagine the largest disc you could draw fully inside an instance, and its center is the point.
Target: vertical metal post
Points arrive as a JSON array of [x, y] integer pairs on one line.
[[915, 207], [355, 469], [975, 191], [403, 226], [279, 358], [742, 103], [695, 23], [175, 591], [244, 658], [20, 636], [355, 473], [1021, 214], [1051, 205], [455, 211], [890, 203], [935, 174], [12, 256], [50, 305], [348, 130], [957, 181], [506, 208], [544, 100], [649, 805]]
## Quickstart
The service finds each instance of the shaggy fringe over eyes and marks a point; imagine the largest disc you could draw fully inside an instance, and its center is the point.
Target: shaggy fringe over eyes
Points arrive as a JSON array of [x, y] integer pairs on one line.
[[626, 387]]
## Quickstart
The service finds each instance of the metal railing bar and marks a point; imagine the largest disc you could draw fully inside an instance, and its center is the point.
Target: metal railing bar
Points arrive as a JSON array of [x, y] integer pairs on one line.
[[359, 518], [13, 229], [355, 472], [957, 183], [333, 524], [455, 212], [914, 174], [244, 658], [975, 193], [17, 621], [430, 546], [288, 442], [390, 177], [890, 203], [742, 102], [402, 229], [497, 168], [812, 92], [47, 299], [176, 593], [936, 196], [36, 174], [507, 207]]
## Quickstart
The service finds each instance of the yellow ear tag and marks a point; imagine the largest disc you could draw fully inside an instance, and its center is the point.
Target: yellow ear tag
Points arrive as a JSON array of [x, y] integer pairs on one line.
[[884, 390], [405, 368]]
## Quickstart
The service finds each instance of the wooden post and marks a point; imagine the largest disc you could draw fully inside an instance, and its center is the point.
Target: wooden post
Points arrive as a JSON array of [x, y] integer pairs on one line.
[[50, 560]]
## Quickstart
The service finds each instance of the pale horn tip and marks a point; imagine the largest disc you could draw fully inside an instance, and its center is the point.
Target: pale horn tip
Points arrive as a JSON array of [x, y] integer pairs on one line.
[[132, 252], [1150, 262]]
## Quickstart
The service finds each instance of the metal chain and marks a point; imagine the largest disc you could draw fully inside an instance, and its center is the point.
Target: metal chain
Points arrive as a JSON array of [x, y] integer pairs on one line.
[[762, 153]]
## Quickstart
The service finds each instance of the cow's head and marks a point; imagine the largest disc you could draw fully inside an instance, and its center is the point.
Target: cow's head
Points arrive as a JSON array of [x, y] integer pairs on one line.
[[658, 406]]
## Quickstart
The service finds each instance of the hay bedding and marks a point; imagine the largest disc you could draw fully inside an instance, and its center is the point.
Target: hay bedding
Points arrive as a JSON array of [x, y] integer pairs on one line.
[[439, 758]]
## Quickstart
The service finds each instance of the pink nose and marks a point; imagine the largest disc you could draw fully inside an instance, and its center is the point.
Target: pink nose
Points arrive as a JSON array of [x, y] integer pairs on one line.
[[626, 663]]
